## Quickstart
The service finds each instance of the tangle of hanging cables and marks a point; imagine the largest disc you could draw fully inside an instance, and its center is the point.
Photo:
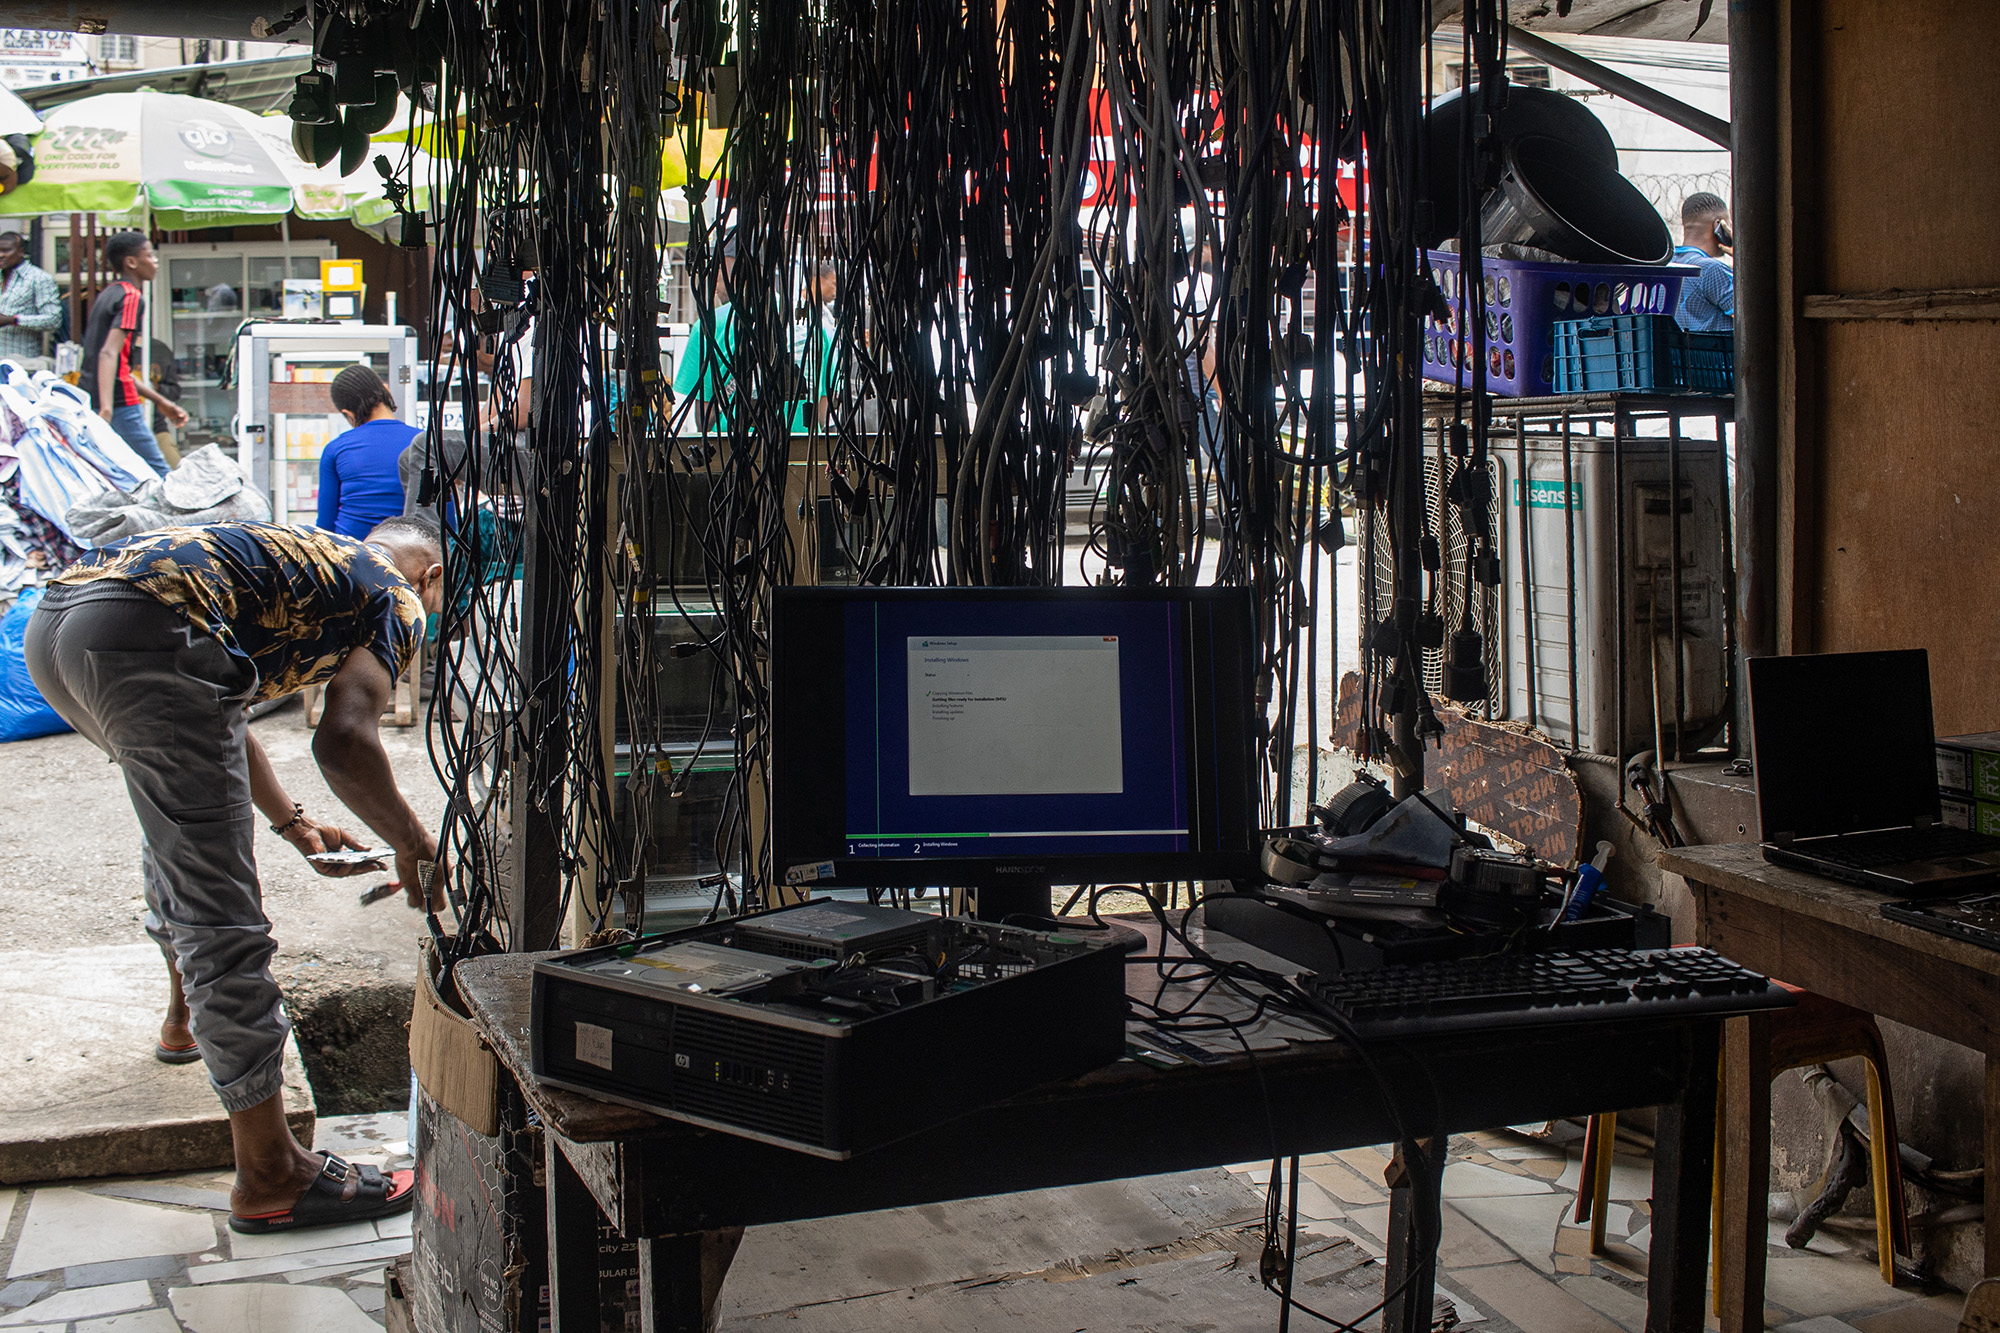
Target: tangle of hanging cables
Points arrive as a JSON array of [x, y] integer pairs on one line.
[[1092, 290]]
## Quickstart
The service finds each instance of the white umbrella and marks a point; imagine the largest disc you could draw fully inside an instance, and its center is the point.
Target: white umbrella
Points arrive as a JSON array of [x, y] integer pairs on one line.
[[116, 151], [322, 192], [16, 116]]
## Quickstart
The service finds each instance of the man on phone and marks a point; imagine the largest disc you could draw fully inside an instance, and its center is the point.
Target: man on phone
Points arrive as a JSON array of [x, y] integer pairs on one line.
[[152, 648], [30, 304], [112, 348], [1708, 299]]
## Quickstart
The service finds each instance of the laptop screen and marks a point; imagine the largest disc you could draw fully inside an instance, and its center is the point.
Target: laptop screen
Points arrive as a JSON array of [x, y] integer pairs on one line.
[[1844, 742]]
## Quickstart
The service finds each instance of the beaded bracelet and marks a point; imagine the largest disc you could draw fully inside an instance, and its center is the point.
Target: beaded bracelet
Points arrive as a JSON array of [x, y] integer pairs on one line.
[[298, 817]]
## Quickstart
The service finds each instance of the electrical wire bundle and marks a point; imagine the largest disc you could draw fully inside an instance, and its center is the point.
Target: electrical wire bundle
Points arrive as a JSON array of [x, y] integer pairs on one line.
[[1111, 241], [1411, 519], [1103, 239], [548, 107]]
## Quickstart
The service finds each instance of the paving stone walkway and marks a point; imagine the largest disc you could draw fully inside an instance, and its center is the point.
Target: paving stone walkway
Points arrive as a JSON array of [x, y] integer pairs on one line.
[[154, 1255]]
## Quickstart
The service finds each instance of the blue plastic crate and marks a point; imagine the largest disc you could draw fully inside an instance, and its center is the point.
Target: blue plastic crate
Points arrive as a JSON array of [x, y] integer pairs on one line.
[[1522, 300], [1642, 354]]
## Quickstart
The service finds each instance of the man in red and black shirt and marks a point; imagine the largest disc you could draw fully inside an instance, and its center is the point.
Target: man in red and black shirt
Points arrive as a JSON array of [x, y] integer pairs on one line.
[[111, 349]]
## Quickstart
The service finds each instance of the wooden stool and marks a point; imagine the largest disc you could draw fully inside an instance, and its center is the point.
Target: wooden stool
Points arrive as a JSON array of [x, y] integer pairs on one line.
[[1817, 1030], [405, 703]]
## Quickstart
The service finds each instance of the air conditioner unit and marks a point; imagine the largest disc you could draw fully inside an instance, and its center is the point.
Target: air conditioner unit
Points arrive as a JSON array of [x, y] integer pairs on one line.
[[1573, 697]]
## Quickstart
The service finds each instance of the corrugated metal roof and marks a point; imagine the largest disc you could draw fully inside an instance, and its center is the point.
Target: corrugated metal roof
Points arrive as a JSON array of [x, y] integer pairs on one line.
[[260, 85]]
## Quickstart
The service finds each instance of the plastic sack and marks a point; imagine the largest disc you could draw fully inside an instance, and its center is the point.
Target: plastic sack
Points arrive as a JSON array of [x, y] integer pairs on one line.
[[24, 714], [205, 488]]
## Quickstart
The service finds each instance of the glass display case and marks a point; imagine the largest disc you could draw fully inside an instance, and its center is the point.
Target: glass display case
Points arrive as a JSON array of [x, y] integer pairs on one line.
[[205, 291], [283, 404]]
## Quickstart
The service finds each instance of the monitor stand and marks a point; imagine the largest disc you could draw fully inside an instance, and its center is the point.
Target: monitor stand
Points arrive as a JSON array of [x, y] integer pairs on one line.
[[997, 902]]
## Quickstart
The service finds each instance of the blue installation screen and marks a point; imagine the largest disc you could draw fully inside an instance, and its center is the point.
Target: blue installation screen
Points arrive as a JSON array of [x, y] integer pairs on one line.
[[996, 729]]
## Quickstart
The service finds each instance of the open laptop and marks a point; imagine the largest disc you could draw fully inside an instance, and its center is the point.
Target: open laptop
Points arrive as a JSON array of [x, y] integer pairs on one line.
[[1847, 774]]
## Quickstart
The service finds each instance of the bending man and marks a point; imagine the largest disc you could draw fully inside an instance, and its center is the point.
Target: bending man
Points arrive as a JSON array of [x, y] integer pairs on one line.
[[151, 648]]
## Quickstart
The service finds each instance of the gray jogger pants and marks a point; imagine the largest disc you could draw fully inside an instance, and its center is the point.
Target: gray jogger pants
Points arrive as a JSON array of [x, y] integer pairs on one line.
[[165, 702]]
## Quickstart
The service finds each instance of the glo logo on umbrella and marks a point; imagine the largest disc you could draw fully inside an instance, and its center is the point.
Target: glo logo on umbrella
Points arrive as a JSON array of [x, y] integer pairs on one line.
[[207, 138]]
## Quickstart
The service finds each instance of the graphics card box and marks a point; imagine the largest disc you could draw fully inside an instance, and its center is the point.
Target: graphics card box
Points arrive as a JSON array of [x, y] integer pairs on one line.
[[1964, 812], [1968, 767]]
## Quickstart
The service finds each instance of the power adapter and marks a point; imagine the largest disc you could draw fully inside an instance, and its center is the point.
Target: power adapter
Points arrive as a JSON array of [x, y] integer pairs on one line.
[[1465, 674]]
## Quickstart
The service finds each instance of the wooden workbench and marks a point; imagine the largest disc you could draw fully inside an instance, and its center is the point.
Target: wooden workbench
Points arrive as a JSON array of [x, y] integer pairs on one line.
[[669, 1184], [1830, 938]]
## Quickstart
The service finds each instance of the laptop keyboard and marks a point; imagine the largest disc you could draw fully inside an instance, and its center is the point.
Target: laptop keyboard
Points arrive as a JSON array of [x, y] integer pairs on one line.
[[1898, 845]]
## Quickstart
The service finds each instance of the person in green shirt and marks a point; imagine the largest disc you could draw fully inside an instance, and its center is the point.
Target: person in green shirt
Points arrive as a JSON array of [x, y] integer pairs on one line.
[[704, 369]]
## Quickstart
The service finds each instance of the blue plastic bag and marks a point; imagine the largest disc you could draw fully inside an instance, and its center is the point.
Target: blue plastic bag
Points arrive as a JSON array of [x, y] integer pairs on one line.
[[23, 712]]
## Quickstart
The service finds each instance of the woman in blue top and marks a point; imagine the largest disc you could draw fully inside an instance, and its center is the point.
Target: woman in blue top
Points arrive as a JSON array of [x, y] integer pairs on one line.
[[359, 484]]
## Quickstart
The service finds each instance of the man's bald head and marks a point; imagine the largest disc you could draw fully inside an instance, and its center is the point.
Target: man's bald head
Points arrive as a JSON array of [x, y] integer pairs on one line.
[[415, 548]]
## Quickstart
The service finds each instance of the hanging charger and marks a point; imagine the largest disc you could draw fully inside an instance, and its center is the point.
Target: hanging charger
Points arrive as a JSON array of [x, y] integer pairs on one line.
[[1465, 674]]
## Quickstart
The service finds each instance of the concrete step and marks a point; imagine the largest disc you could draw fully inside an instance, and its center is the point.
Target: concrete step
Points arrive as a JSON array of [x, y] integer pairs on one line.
[[80, 1092]]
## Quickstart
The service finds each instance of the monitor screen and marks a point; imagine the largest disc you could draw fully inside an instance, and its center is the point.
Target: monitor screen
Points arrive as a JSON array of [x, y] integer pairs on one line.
[[974, 736], [1843, 742]]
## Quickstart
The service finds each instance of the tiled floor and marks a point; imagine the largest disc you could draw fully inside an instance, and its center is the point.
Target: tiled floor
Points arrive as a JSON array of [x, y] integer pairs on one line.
[[1510, 1259], [155, 1255]]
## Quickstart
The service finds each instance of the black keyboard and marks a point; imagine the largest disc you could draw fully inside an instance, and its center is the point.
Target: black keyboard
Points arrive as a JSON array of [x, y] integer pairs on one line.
[[1529, 990], [1895, 846]]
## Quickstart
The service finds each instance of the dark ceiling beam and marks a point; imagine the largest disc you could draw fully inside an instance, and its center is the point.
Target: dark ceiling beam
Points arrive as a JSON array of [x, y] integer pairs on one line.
[[1713, 128], [230, 20]]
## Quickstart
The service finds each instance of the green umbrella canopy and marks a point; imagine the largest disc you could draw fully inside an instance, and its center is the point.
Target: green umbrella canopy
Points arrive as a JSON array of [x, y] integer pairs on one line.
[[116, 151]]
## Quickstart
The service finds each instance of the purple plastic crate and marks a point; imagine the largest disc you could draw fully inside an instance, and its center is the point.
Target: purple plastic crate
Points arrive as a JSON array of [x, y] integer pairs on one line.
[[1522, 303]]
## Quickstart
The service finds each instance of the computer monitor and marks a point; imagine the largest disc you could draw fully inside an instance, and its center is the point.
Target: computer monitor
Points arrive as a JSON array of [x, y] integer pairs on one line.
[[1008, 739]]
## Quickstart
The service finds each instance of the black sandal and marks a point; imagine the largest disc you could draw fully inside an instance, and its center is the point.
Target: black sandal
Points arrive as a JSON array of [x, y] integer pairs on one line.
[[321, 1205], [176, 1055]]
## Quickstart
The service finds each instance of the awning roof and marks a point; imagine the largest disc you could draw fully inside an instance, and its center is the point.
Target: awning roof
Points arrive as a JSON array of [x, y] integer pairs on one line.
[[260, 85]]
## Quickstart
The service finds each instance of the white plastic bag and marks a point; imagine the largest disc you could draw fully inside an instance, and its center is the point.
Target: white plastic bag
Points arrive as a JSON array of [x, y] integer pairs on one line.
[[205, 488]]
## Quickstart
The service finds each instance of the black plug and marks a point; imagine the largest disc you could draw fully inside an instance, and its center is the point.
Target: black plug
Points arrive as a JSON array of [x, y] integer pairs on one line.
[[312, 99], [1430, 630], [1465, 674], [1428, 728], [1431, 554], [1272, 1266], [1395, 694]]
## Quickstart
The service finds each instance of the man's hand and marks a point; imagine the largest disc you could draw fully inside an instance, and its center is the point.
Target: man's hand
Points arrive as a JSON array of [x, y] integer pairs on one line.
[[9, 320], [412, 879], [312, 836], [106, 412], [176, 414], [348, 746]]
